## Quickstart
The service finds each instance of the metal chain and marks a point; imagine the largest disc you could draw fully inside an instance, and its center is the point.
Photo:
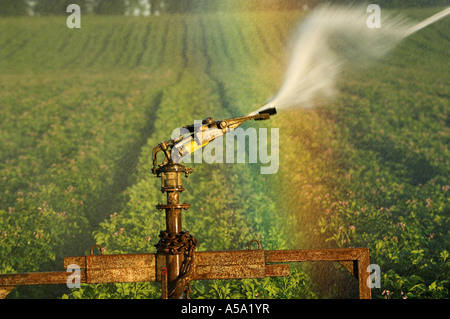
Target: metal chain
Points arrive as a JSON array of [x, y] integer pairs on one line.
[[174, 244]]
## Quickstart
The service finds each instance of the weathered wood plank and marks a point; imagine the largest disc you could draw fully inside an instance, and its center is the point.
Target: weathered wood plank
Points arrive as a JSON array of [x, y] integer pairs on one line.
[[229, 264], [120, 268], [37, 278], [280, 256]]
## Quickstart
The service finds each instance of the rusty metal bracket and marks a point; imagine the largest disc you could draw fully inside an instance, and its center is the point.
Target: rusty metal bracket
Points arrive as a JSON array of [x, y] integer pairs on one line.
[[254, 241], [96, 245]]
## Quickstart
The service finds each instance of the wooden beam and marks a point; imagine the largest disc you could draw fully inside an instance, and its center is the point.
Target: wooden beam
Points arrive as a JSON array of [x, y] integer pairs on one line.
[[365, 291], [120, 268], [232, 264], [342, 254], [37, 278]]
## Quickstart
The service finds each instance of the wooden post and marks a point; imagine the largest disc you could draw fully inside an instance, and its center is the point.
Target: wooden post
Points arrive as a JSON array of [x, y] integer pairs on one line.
[[365, 291]]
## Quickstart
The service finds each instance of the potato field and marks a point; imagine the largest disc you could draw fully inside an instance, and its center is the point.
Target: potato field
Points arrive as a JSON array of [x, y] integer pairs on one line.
[[81, 110]]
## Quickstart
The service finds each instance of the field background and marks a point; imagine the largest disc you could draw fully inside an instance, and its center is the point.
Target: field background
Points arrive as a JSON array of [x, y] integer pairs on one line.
[[81, 110]]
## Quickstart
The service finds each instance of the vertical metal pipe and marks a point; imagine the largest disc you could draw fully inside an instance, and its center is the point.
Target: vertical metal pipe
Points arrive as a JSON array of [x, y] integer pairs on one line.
[[173, 225], [171, 185]]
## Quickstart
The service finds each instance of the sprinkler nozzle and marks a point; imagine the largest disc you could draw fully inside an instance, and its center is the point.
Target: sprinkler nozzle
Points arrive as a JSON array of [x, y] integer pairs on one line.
[[270, 111]]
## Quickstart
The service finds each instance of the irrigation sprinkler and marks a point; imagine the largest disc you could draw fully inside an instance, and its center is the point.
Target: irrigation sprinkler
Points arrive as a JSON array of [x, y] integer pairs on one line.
[[176, 263]]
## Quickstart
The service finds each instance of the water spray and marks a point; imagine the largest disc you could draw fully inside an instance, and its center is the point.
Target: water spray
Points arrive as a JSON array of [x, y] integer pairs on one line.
[[429, 21], [329, 39]]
